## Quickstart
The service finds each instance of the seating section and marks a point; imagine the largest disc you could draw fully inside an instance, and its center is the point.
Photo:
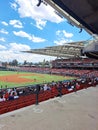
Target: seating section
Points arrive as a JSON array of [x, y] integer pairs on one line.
[[27, 96], [21, 102], [27, 100]]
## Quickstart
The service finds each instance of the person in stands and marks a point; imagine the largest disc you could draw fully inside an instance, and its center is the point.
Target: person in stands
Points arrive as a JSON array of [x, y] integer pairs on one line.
[[11, 96], [2, 98], [59, 88]]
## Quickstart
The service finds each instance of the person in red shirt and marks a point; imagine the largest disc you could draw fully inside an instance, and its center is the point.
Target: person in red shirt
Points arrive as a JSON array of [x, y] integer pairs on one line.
[[6, 96]]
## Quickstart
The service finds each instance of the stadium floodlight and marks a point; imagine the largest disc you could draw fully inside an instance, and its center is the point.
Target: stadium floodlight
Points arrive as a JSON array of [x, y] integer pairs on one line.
[[39, 2]]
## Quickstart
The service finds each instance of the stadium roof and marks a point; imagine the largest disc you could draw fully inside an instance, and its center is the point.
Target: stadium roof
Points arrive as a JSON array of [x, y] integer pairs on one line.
[[65, 51], [81, 13]]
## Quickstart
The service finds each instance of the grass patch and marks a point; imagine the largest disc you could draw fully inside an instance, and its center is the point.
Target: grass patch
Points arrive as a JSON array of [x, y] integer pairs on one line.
[[35, 78]]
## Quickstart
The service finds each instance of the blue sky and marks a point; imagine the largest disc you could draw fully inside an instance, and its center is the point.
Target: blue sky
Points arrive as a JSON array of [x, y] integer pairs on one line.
[[24, 26]]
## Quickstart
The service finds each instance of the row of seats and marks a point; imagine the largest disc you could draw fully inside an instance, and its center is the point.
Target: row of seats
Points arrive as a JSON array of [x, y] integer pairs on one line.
[[30, 99], [21, 102]]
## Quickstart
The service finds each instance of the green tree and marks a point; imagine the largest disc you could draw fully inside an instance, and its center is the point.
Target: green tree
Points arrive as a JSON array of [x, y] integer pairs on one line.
[[25, 62], [14, 62]]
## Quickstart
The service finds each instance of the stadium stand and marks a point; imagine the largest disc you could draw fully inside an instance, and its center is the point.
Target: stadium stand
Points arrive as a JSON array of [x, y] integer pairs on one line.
[[27, 96]]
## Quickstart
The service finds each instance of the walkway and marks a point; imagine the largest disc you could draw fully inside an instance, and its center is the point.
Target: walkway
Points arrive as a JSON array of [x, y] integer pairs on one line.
[[75, 111]]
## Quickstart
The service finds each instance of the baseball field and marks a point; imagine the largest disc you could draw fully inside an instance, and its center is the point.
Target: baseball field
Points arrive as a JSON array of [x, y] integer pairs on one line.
[[15, 79]]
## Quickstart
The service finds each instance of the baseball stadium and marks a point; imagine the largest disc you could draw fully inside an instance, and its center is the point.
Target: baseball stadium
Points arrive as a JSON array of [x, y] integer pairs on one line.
[[63, 94]]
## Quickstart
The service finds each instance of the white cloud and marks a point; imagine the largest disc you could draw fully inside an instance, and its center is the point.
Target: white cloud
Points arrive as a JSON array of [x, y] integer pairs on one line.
[[14, 6], [2, 39], [68, 35], [40, 24], [21, 57], [18, 47], [37, 39], [16, 23], [63, 33], [62, 42], [14, 52], [4, 23], [63, 37], [3, 31], [2, 47], [29, 36], [28, 8], [22, 34]]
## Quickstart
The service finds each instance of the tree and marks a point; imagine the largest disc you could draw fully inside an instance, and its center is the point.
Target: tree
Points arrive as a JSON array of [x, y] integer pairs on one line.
[[14, 62], [4, 64], [25, 62]]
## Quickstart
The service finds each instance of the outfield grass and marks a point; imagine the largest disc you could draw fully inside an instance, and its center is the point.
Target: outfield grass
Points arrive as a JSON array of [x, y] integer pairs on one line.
[[40, 78]]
